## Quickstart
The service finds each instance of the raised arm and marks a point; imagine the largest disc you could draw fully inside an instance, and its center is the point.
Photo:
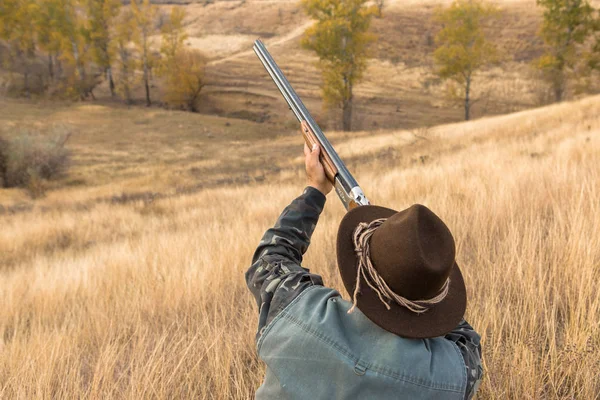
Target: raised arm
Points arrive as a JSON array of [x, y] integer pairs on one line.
[[276, 276], [290, 237]]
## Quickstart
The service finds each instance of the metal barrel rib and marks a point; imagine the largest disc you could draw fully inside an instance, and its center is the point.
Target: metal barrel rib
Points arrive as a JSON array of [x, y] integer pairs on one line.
[[278, 84]]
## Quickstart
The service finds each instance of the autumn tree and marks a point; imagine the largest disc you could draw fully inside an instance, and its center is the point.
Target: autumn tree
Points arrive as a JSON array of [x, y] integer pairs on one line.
[[341, 40], [464, 46], [144, 14], [75, 38], [125, 61], [16, 27], [101, 15], [182, 69], [566, 26], [173, 35], [186, 79], [47, 22]]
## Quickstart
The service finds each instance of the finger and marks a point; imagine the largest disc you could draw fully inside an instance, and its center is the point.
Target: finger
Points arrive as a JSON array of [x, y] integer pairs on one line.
[[314, 154], [308, 162], [313, 157]]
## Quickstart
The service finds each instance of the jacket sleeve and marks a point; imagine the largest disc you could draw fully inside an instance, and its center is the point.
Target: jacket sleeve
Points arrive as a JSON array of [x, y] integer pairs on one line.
[[276, 277], [468, 342]]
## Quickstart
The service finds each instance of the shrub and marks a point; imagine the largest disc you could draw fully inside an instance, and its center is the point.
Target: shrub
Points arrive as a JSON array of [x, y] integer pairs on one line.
[[27, 158]]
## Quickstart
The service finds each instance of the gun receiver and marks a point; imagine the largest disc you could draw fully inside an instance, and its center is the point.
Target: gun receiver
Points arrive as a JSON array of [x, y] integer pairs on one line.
[[345, 185]]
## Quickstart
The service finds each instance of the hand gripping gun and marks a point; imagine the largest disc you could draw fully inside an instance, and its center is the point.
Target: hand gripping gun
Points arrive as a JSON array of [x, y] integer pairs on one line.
[[345, 185]]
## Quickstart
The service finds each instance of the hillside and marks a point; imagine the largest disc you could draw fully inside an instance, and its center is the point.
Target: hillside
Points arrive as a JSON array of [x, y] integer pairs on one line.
[[400, 89], [126, 281]]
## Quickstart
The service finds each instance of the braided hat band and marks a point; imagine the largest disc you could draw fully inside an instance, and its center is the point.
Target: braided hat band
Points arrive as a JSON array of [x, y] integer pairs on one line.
[[365, 270]]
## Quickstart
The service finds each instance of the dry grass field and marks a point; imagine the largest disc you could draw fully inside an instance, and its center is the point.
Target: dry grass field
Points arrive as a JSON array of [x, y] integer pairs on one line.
[[126, 280]]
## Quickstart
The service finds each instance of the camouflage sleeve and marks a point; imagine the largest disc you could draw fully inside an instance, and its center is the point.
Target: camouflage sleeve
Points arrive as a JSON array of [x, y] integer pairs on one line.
[[468, 342], [276, 277]]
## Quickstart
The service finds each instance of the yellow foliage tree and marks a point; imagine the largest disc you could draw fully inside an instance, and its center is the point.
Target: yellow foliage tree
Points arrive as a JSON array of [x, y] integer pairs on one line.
[[125, 61], [47, 20], [144, 14], [182, 69], [72, 30], [340, 38], [566, 26], [185, 79], [102, 14], [173, 35], [463, 45], [16, 27]]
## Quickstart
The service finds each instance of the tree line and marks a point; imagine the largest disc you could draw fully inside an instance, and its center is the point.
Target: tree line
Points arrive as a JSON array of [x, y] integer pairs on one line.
[[84, 42], [87, 41], [340, 37]]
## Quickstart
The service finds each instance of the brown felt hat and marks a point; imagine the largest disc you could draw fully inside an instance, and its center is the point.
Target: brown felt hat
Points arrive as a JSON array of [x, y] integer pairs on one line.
[[414, 252]]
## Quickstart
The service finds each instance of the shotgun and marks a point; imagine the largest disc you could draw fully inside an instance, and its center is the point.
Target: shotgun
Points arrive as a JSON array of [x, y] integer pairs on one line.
[[345, 185]]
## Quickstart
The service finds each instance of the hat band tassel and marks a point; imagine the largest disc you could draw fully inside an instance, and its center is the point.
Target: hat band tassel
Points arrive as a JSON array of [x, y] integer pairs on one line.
[[367, 272]]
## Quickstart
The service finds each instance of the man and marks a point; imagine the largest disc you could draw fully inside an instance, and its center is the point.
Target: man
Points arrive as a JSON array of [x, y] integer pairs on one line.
[[403, 335]]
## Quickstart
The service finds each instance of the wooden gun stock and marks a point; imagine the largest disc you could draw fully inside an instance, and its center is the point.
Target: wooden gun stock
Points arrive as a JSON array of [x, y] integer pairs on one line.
[[311, 139]]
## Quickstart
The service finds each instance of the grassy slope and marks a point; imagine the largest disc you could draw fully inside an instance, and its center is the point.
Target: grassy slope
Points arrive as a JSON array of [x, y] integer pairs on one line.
[[145, 298], [117, 149], [399, 89]]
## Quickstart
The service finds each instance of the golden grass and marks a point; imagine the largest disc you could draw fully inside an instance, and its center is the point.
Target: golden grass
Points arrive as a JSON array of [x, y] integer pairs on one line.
[[146, 299]]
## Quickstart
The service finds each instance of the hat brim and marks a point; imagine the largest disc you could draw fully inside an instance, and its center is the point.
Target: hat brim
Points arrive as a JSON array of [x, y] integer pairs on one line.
[[437, 321]]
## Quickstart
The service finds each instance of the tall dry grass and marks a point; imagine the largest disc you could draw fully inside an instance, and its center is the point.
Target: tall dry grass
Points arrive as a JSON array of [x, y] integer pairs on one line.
[[147, 299]]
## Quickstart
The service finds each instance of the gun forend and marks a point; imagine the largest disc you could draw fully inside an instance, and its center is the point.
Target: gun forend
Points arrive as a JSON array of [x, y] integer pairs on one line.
[[345, 185], [311, 139]]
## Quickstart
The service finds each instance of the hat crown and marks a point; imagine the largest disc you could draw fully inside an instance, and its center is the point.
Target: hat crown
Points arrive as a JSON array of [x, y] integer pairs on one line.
[[414, 252]]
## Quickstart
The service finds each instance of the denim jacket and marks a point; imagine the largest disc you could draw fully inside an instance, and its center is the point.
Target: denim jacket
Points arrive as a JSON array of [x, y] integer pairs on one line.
[[314, 349]]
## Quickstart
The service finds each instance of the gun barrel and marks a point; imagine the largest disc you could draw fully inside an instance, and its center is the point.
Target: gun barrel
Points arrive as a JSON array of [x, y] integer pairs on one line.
[[343, 180]]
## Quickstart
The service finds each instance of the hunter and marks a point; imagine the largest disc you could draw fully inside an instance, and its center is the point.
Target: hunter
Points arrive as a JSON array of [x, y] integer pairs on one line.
[[403, 335]]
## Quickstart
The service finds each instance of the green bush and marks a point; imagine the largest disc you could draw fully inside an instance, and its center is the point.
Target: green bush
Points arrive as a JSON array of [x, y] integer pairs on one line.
[[27, 158]]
